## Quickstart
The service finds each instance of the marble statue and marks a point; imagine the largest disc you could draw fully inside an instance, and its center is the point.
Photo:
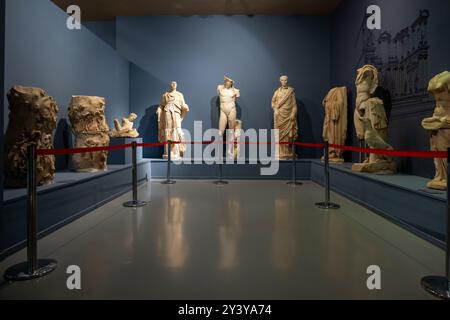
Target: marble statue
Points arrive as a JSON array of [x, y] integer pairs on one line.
[[87, 118], [228, 95], [439, 127], [125, 129], [371, 123], [284, 105], [171, 112], [32, 119], [237, 137], [335, 123]]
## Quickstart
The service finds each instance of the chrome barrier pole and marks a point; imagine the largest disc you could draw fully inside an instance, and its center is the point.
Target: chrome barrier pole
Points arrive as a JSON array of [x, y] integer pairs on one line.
[[169, 162], [135, 203], [439, 286], [220, 181], [32, 268], [327, 204], [361, 155], [294, 167]]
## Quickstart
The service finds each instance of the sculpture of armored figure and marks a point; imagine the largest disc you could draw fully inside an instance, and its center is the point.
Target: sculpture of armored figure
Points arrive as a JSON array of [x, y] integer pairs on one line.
[[171, 112], [125, 129], [87, 117], [228, 95], [371, 123], [32, 119], [284, 105], [335, 123], [439, 127]]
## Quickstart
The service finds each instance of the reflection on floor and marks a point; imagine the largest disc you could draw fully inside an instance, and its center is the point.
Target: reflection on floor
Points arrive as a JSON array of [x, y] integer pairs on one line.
[[245, 240]]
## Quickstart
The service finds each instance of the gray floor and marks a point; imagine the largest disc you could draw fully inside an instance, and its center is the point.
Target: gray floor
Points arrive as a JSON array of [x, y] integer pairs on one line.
[[246, 240]]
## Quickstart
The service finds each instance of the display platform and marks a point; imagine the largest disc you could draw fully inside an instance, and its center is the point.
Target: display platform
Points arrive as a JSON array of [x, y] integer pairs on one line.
[[249, 170], [404, 199], [72, 195]]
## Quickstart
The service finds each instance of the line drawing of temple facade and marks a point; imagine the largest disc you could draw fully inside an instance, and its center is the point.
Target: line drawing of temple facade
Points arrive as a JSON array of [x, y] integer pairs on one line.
[[401, 58]]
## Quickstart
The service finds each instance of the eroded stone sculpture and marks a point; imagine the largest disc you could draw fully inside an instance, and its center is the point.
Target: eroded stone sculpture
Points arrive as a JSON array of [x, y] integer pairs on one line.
[[371, 123], [439, 127], [228, 96], [171, 112], [125, 129], [284, 105], [335, 123], [87, 118], [32, 119]]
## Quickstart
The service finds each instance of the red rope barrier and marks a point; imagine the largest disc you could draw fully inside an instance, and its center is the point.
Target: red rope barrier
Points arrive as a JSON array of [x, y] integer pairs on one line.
[[310, 145], [159, 144], [42, 152], [393, 153]]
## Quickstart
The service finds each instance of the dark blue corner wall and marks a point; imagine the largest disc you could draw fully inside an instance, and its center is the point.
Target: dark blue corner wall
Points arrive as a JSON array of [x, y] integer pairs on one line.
[[105, 30], [197, 51], [41, 51], [2, 76], [347, 40]]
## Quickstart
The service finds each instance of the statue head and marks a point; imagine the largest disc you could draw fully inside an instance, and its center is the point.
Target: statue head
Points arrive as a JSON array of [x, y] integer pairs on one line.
[[367, 78], [439, 86], [229, 83], [132, 117], [173, 85], [284, 80]]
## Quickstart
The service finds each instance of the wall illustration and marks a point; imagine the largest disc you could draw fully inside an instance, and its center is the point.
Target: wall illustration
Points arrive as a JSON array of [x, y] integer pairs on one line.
[[401, 57]]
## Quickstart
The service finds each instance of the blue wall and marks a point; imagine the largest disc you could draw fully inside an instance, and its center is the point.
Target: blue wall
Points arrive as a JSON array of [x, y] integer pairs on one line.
[[254, 51], [42, 52], [347, 45]]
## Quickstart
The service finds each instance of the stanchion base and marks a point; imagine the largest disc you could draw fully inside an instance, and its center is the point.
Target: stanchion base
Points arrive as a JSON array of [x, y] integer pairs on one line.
[[169, 182], [19, 272], [437, 286], [220, 182], [294, 183], [135, 204], [328, 205]]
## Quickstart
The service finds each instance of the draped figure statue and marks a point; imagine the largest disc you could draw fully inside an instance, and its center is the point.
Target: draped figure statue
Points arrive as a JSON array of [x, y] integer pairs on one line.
[[284, 105], [439, 127], [171, 112], [335, 123]]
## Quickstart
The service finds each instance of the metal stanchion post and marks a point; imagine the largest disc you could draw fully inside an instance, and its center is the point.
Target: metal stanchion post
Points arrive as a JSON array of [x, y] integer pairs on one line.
[[32, 268], [327, 204], [294, 167], [220, 181], [169, 162], [135, 203], [439, 286], [361, 155]]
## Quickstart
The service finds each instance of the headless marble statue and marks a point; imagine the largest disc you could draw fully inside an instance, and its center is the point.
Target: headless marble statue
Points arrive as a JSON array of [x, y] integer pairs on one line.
[[335, 122], [439, 127]]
